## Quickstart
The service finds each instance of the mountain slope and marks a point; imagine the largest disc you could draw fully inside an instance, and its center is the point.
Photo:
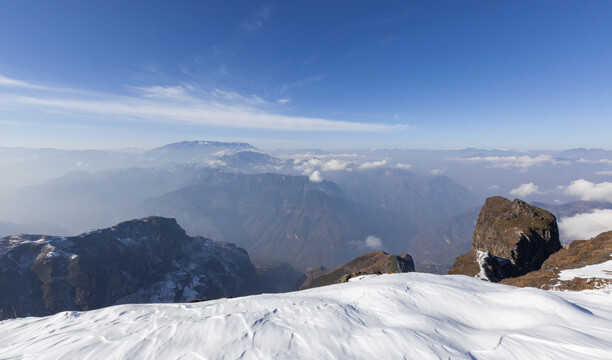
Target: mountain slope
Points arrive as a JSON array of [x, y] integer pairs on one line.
[[436, 248], [568, 268], [275, 217], [146, 260], [425, 200], [398, 316]]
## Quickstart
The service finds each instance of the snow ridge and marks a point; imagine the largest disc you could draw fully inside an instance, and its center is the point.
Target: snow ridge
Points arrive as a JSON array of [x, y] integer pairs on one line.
[[408, 315]]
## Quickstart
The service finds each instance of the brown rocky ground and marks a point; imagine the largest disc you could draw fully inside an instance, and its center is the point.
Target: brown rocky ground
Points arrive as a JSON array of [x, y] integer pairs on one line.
[[579, 253], [374, 262]]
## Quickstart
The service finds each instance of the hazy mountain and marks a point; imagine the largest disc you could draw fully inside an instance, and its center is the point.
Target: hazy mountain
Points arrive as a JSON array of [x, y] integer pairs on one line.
[[424, 200], [436, 248], [574, 207], [193, 151], [80, 201], [9, 228], [275, 217]]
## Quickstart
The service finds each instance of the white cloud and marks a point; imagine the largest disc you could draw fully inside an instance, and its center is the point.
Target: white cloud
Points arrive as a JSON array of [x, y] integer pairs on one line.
[[215, 163], [605, 173], [315, 177], [493, 187], [307, 166], [321, 156], [171, 104], [586, 225], [14, 83], [588, 191], [334, 165], [521, 162], [525, 190], [600, 161], [373, 164], [373, 242], [283, 101], [437, 172], [403, 166]]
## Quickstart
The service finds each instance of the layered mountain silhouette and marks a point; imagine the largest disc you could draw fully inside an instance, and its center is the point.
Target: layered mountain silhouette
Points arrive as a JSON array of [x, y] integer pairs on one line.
[[276, 217]]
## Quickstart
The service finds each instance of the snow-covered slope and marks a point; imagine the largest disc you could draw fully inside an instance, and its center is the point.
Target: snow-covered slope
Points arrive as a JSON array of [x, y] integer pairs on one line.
[[411, 315]]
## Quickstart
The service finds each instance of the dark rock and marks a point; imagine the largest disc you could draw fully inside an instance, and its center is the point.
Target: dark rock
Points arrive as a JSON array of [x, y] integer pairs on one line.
[[511, 238], [374, 262], [137, 261], [577, 254]]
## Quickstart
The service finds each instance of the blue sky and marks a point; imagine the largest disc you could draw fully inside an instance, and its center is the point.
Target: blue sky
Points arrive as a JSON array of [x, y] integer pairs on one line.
[[306, 74]]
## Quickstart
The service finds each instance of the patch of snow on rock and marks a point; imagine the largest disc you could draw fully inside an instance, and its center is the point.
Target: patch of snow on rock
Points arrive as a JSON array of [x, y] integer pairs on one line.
[[600, 271], [481, 258]]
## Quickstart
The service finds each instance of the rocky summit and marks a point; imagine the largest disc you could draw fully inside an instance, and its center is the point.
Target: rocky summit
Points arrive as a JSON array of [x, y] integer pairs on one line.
[[137, 261], [511, 238], [374, 262]]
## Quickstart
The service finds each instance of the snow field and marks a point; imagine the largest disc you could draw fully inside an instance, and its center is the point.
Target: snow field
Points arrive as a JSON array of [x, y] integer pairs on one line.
[[412, 316]]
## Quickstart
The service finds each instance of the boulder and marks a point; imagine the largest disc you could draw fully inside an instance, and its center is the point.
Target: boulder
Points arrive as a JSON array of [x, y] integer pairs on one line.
[[511, 238]]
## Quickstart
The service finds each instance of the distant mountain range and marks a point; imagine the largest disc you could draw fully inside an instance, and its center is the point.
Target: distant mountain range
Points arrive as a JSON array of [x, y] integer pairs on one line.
[[276, 217]]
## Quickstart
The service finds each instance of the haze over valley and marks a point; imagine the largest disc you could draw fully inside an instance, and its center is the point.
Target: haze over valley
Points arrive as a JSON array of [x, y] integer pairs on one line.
[[423, 179]]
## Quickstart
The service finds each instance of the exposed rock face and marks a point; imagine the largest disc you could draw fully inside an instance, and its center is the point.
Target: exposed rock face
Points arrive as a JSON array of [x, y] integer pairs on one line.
[[147, 260], [374, 262], [511, 238], [578, 254]]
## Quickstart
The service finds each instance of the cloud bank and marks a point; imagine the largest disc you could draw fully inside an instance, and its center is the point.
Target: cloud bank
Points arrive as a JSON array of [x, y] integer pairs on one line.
[[520, 162], [585, 226], [588, 191]]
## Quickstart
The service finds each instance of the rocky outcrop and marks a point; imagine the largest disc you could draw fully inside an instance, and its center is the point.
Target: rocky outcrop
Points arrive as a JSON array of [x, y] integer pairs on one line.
[[374, 262], [511, 238], [137, 261], [581, 265]]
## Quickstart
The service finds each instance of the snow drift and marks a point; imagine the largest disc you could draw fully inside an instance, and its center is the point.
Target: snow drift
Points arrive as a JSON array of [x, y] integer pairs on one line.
[[410, 315]]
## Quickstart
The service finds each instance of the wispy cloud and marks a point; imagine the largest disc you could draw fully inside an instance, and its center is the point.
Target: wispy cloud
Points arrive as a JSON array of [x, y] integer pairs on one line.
[[403, 166], [600, 161], [257, 19], [520, 162], [171, 104], [302, 82]]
